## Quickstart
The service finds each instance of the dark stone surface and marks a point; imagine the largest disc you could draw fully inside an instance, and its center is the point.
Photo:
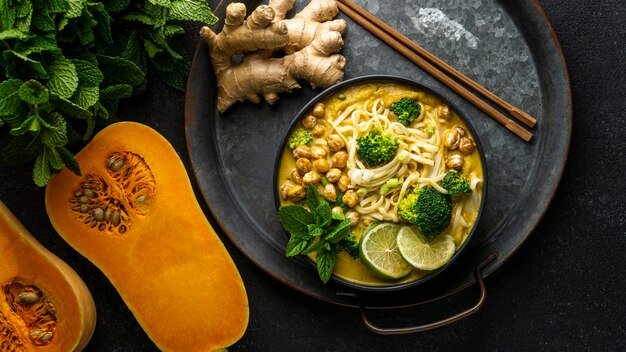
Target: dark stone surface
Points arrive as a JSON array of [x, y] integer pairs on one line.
[[563, 290]]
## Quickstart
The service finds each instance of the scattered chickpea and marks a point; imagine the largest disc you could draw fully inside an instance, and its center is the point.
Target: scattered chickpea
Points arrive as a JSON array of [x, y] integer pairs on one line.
[[285, 188], [296, 192], [318, 131], [321, 165], [311, 178], [319, 110], [451, 139], [337, 210], [303, 165], [443, 111], [333, 175], [340, 159], [296, 177], [309, 122], [354, 217], [467, 145], [343, 183], [330, 192], [455, 162], [350, 198], [302, 151], [461, 130], [335, 143], [318, 152]]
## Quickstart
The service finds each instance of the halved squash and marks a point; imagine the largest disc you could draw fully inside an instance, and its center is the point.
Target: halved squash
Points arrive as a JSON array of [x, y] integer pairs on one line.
[[44, 304], [134, 214]]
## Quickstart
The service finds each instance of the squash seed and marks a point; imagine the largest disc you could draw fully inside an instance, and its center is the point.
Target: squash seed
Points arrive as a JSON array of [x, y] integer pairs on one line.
[[98, 214], [28, 297]]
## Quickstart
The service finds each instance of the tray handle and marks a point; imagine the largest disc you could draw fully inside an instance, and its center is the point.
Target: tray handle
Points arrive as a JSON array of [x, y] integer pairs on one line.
[[437, 324]]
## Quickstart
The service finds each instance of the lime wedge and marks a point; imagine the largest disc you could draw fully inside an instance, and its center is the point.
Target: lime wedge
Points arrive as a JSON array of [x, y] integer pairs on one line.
[[379, 252], [425, 254]]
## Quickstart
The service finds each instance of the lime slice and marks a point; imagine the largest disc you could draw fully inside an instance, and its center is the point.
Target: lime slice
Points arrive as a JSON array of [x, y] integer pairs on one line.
[[379, 252], [425, 254]]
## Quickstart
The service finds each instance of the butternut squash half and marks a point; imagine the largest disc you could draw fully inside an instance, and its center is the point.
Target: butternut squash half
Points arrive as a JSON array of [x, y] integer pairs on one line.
[[134, 214], [44, 305]]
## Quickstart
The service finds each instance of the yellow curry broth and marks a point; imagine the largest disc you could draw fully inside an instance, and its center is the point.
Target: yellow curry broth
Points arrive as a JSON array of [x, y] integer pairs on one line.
[[363, 95]]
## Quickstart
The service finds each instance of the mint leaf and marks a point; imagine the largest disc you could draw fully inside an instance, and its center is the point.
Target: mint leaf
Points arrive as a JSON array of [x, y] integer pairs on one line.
[[88, 73], [120, 70], [91, 125], [33, 92], [116, 5], [10, 103], [164, 3], [7, 16], [295, 245], [54, 133], [338, 232], [312, 197], [69, 160], [192, 10], [314, 231], [64, 79], [177, 78], [75, 8], [43, 21], [117, 91], [70, 108], [326, 259], [140, 17], [313, 246], [13, 34], [35, 66], [103, 27], [54, 159], [323, 214], [86, 96], [295, 219], [41, 171], [30, 124], [56, 6]]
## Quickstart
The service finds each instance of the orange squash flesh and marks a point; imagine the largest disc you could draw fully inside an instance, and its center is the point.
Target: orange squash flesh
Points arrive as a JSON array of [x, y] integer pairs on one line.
[[26, 266], [160, 252]]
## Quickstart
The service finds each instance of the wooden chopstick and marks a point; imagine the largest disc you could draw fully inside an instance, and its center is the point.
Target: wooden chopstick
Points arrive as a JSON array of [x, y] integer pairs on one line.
[[393, 41]]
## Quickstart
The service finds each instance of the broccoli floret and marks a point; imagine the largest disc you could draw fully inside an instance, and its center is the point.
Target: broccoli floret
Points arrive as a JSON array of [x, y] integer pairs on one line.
[[350, 245], [375, 148], [407, 110], [455, 183], [300, 137], [428, 209]]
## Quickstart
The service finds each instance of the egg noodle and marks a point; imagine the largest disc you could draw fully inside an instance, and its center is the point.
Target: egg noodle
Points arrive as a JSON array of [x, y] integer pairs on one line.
[[419, 161]]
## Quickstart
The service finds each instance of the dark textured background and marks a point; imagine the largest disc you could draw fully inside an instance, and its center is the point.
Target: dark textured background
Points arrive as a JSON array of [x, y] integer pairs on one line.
[[564, 290]]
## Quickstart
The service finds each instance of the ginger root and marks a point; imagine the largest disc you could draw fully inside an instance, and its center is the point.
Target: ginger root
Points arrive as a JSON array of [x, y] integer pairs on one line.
[[310, 41]]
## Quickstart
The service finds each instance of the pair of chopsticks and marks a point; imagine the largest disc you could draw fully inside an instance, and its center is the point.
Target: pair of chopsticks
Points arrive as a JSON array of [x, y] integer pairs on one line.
[[427, 61]]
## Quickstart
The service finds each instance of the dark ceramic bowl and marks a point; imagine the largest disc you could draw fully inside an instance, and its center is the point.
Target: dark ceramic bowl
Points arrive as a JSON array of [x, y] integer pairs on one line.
[[385, 79]]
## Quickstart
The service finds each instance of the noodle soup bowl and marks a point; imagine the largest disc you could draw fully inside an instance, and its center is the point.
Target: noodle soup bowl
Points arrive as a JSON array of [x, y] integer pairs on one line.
[[343, 111]]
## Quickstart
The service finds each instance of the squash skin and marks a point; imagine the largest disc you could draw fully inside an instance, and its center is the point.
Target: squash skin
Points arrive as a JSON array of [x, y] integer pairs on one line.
[[170, 267], [27, 262]]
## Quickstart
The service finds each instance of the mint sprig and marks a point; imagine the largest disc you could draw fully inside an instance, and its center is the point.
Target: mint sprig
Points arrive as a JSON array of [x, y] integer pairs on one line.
[[66, 64], [316, 229]]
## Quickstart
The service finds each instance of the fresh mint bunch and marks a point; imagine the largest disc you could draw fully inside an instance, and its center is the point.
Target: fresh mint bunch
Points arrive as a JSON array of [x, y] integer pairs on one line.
[[316, 229], [66, 64]]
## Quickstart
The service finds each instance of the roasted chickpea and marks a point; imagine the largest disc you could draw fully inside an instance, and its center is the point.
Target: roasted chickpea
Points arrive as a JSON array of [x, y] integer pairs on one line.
[[285, 188], [296, 192], [340, 159], [330, 192], [451, 139], [333, 175], [335, 143], [318, 130], [296, 177], [343, 182], [353, 216], [302, 151], [303, 165], [318, 110], [309, 122], [321, 165], [337, 210], [318, 152], [467, 145], [443, 111], [461, 130], [455, 162], [311, 178], [350, 198]]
